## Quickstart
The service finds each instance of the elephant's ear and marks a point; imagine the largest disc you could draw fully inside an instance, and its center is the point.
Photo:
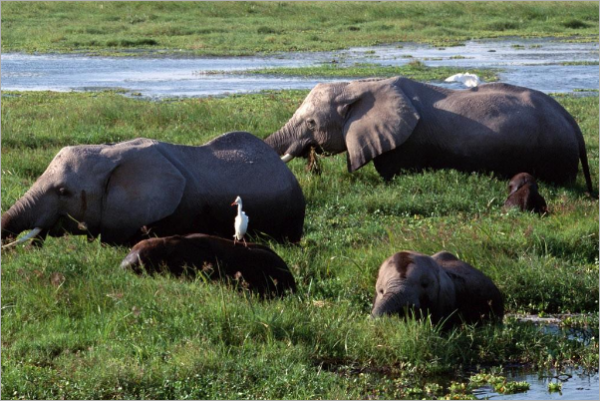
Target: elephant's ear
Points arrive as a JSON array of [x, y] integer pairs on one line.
[[379, 117], [143, 188]]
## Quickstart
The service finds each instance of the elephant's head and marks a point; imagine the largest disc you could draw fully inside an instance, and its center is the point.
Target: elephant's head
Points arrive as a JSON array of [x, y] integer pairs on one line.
[[155, 253], [520, 180], [112, 190], [366, 118], [410, 280]]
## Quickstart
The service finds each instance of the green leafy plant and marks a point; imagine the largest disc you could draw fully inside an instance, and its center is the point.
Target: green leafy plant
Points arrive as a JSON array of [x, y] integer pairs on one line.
[[555, 387]]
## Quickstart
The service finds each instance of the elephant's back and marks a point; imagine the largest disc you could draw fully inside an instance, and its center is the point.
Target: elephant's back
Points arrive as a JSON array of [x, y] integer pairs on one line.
[[502, 128], [233, 162], [521, 111], [249, 168], [261, 266], [476, 293], [251, 164], [240, 164]]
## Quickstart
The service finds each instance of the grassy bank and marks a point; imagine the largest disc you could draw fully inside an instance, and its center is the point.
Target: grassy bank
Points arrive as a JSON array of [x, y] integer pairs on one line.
[[414, 70], [235, 28], [75, 326]]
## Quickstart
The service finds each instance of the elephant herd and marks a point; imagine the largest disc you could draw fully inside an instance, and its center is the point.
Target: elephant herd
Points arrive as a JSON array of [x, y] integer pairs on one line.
[[173, 201]]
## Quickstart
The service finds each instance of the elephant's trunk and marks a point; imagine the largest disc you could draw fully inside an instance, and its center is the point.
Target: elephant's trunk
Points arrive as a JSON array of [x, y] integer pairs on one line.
[[391, 303], [15, 220], [7, 226], [286, 141], [278, 142], [19, 217]]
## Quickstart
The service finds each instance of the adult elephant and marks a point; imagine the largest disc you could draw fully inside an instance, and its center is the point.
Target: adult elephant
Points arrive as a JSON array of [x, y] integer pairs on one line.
[[400, 123], [442, 286], [130, 190]]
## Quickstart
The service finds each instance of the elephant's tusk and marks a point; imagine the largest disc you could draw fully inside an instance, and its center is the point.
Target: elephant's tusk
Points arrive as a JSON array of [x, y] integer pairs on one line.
[[31, 234], [286, 158]]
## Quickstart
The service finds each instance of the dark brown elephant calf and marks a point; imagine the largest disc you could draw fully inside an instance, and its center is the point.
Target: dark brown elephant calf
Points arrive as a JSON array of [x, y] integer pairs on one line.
[[256, 267], [443, 286], [523, 193]]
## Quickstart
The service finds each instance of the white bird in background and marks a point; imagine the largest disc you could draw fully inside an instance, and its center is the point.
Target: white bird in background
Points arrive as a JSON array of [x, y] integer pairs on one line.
[[467, 79], [241, 222]]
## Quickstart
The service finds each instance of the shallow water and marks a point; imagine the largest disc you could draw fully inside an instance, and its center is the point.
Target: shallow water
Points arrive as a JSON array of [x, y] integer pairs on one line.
[[152, 77], [578, 386], [532, 63]]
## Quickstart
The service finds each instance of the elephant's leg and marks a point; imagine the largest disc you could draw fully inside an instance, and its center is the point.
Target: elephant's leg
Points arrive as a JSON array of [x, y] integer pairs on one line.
[[407, 156]]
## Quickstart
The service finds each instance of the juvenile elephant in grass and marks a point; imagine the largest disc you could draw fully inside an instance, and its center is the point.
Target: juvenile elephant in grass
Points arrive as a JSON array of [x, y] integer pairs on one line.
[[126, 191], [403, 124], [442, 285], [255, 266], [523, 194]]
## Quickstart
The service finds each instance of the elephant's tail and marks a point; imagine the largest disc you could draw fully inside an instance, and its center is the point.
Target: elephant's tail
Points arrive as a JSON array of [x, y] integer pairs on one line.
[[583, 156], [582, 152]]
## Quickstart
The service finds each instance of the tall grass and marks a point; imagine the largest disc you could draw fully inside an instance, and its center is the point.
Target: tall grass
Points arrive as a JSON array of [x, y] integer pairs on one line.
[[75, 326], [248, 27]]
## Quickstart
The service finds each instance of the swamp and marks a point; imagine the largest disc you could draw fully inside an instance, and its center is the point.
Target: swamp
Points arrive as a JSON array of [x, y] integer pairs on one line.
[[77, 326]]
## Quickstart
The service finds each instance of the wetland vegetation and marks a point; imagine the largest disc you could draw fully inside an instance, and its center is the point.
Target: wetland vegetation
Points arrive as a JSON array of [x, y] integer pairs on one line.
[[243, 28], [416, 70], [75, 326]]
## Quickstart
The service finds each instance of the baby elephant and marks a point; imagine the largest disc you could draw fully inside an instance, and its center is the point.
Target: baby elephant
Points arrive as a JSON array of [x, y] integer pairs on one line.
[[441, 285], [523, 193], [257, 267]]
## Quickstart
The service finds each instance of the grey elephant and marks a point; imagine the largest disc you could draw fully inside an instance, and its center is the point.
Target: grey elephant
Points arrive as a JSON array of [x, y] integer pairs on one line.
[[442, 285], [127, 191], [403, 124]]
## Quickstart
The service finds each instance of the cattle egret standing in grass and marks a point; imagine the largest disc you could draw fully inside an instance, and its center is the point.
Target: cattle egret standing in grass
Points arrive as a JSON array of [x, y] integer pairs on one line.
[[467, 79], [241, 222]]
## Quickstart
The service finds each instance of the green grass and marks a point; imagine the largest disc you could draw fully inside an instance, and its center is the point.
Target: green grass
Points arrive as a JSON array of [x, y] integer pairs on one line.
[[414, 70], [234, 28], [75, 326]]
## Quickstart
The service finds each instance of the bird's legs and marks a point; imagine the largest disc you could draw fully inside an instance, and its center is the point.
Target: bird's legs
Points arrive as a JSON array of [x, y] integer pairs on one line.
[[235, 241]]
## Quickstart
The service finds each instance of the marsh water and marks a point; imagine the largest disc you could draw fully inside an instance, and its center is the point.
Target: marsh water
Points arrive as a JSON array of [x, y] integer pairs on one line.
[[543, 64], [576, 385]]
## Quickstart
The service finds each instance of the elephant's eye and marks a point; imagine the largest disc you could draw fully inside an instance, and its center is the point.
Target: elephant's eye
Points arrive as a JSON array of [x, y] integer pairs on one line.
[[311, 124], [62, 191]]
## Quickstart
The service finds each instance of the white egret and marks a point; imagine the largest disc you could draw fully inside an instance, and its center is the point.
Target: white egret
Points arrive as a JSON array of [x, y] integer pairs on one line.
[[240, 223], [467, 79]]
